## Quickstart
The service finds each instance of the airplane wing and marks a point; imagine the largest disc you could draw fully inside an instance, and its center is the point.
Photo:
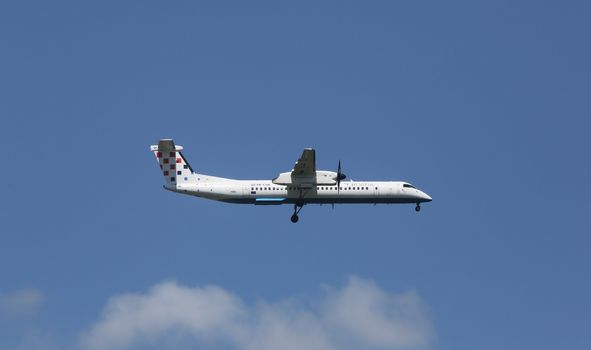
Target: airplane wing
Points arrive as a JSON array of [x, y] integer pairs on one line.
[[306, 165]]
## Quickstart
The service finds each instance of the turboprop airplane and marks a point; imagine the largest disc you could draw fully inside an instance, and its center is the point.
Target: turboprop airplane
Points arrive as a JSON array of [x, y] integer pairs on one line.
[[300, 186]]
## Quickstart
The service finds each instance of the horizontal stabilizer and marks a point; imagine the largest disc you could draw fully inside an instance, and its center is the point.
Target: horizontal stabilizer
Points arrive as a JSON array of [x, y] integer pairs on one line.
[[166, 145]]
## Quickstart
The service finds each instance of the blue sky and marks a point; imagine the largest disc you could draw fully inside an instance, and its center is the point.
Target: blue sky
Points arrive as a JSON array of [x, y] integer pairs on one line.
[[484, 105]]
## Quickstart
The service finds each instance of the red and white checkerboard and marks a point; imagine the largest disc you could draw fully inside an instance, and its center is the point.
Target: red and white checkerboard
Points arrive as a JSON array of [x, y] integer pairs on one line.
[[174, 168]]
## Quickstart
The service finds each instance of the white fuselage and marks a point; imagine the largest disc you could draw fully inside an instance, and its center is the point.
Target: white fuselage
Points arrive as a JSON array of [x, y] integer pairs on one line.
[[300, 186], [265, 192]]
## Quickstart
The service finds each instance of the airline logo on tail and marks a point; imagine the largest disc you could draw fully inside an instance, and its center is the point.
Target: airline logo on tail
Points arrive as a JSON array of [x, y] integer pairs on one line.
[[173, 165]]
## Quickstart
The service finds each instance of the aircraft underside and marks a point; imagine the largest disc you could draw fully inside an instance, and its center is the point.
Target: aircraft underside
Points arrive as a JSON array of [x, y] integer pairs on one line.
[[298, 203], [304, 201]]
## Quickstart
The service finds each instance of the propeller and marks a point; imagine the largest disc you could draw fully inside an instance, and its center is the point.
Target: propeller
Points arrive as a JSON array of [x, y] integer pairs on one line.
[[340, 177]]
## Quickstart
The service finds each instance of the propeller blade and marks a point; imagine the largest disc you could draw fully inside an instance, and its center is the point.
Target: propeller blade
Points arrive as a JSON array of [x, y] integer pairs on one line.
[[340, 176]]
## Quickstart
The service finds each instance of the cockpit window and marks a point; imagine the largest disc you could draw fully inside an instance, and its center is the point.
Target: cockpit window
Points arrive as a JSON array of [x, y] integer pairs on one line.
[[408, 186]]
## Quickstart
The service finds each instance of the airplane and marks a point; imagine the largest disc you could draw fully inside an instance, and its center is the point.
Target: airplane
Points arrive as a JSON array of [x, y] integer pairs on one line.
[[300, 186]]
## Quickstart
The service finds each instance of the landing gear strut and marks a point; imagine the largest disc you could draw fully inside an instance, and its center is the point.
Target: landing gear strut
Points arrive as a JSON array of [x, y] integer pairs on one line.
[[418, 207], [294, 217]]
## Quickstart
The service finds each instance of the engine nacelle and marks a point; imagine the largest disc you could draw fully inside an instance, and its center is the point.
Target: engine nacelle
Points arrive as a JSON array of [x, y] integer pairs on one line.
[[322, 178]]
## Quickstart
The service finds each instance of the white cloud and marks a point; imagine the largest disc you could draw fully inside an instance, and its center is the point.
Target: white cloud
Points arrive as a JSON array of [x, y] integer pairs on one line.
[[359, 315], [21, 302], [377, 319]]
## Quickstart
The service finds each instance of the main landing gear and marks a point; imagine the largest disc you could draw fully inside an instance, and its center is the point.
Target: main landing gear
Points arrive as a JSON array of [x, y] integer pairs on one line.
[[294, 217], [418, 207]]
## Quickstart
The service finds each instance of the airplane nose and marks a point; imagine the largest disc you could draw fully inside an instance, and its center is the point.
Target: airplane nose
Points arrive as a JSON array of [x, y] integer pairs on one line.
[[426, 197]]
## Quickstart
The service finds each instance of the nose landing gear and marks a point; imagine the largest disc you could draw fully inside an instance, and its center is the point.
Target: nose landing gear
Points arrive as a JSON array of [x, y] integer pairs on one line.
[[294, 217], [418, 207]]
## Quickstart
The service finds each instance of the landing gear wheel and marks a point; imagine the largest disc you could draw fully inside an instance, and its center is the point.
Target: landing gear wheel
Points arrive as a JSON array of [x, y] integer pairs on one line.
[[418, 208], [296, 210]]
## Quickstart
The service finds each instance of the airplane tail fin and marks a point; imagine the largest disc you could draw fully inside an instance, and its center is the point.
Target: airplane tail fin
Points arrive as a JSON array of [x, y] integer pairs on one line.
[[174, 167]]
